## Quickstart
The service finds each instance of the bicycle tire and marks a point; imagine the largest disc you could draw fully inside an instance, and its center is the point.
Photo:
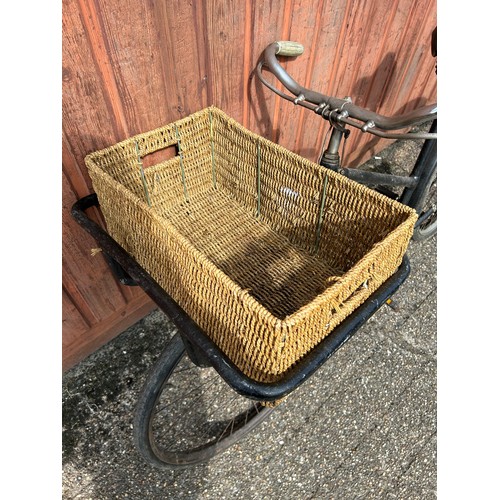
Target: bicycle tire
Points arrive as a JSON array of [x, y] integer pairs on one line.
[[427, 227], [160, 381]]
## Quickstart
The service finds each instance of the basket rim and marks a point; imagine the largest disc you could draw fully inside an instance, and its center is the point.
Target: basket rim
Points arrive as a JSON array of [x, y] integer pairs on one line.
[[143, 135], [295, 156]]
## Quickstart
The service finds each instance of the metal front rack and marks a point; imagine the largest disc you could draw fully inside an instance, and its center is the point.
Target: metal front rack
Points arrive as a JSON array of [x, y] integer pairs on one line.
[[200, 348]]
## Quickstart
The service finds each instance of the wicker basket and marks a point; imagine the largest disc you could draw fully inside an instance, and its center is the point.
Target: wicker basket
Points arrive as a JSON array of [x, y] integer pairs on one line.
[[265, 250]]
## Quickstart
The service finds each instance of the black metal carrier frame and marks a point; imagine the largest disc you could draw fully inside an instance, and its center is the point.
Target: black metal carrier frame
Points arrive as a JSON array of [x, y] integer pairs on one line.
[[201, 350]]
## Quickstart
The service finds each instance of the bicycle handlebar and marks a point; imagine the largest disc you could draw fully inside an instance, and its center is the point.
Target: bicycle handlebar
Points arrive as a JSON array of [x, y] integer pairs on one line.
[[343, 108]]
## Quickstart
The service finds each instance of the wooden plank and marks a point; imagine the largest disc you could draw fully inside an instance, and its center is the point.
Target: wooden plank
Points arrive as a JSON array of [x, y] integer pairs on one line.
[[77, 175], [361, 146], [91, 15], [88, 119], [330, 32], [87, 278], [356, 18], [423, 63], [285, 35], [248, 64], [419, 95], [368, 40], [187, 35], [304, 17], [371, 54], [225, 21], [331, 38], [345, 63], [389, 60], [128, 47], [413, 36], [379, 70], [73, 322], [430, 90], [78, 181], [265, 28], [76, 348]]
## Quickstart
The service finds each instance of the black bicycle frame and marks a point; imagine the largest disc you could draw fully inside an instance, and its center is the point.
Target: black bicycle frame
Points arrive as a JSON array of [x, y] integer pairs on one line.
[[423, 169], [413, 182]]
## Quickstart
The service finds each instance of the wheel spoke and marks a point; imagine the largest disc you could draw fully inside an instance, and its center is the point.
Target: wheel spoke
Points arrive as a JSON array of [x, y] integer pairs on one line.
[[205, 385]]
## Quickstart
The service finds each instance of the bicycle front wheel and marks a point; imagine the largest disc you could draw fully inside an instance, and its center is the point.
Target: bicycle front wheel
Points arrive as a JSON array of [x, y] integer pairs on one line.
[[186, 414]]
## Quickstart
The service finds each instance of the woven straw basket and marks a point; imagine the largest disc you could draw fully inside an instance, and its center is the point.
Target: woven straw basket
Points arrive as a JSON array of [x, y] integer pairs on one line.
[[265, 250]]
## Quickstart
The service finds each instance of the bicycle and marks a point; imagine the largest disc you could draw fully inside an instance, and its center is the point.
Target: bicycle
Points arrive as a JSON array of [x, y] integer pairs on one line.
[[419, 186], [175, 425]]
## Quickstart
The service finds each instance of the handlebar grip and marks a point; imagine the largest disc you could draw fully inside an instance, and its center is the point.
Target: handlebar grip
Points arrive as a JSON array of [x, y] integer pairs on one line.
[[289, 49]]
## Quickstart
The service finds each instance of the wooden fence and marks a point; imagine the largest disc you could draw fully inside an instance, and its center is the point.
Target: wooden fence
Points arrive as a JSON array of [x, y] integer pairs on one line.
[[132, 65]]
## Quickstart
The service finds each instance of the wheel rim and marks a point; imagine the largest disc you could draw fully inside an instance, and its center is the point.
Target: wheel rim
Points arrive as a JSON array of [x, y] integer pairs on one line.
[[428, 224], [197, 415]]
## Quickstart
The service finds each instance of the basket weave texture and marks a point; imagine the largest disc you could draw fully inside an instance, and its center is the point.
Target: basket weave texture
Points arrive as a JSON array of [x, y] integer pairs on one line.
[[265, 250]]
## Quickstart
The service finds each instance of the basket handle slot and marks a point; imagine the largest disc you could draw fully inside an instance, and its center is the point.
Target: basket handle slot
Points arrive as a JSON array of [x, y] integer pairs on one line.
[[160, 155], [362, 289]]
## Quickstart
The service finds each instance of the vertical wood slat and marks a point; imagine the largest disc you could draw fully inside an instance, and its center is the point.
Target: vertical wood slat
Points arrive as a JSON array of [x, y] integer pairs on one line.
[[80, 268], [130, 66], [265, 28], [300, 25], [73, 321], [332, 35], [285, 35], [99, 45], [225, 23]]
